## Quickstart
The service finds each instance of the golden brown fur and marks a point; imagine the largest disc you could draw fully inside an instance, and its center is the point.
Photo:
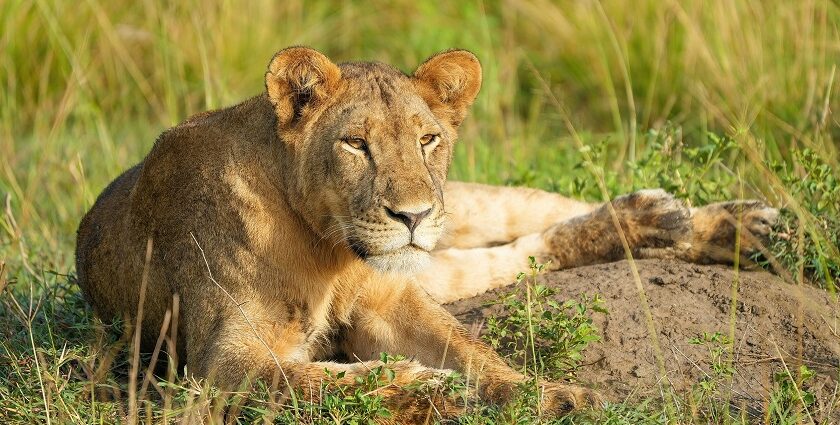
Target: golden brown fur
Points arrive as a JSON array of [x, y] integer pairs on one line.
[[294, 227]]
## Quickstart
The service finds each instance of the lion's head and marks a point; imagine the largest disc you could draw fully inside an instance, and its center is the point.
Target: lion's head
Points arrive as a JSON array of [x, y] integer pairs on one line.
[[368, 148]]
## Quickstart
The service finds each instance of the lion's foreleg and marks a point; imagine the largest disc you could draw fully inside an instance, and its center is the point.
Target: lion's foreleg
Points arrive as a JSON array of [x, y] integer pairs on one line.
[[411, 391], [401, 319]]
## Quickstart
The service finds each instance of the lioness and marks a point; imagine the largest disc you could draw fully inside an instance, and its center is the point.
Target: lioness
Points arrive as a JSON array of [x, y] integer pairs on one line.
[[294, 228]]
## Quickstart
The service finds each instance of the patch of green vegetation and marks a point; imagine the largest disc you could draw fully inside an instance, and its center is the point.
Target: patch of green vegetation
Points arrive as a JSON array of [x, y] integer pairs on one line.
[[790, 400], [544, 337], [811, 227], [343, 403], [705, 400]]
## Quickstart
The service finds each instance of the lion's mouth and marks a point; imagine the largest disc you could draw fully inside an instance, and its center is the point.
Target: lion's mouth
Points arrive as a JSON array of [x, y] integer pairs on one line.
[[363, 252], [358, 248], [412, 247], [408, 259]]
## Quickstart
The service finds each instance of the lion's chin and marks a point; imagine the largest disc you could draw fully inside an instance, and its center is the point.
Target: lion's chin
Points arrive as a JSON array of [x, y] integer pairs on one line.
[[406, 260]]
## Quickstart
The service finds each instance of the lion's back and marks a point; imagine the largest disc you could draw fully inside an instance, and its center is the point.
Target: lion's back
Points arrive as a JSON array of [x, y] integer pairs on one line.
[[180, 188], [94, 240]]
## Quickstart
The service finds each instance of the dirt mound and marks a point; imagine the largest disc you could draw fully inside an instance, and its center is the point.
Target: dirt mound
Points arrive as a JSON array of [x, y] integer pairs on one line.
[[775, 322]]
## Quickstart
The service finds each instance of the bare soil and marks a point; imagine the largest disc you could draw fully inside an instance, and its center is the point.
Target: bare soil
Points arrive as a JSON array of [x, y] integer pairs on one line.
[[778, 325]]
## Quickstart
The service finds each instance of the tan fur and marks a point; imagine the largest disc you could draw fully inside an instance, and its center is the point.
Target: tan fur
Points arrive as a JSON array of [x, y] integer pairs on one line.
[[486, 247], [289, 226], [293, 227]]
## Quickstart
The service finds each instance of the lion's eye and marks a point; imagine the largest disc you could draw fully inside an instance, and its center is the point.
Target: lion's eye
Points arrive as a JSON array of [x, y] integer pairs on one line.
[[356, 143], [428, 139]]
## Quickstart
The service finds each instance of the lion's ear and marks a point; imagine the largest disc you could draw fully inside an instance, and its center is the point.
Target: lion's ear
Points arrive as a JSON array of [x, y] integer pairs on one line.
[[299, 79], [449, 82]]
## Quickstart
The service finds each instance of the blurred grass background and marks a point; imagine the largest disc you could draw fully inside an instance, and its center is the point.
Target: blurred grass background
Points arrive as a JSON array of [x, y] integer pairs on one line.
[[87, 85], [707, 98]]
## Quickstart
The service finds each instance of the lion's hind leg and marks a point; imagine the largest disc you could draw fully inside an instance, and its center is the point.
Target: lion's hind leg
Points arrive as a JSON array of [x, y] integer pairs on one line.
[[650, 220], [653, 224]]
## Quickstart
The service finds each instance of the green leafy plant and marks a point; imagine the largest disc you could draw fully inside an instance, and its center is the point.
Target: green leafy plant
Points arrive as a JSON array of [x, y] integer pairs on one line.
[[704, 397], [347, 404], [789, 401], [695, 172], [809, 238], [546, 336]]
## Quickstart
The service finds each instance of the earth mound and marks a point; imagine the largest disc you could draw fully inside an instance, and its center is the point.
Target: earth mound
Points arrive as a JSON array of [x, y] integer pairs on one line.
[[778, 325]]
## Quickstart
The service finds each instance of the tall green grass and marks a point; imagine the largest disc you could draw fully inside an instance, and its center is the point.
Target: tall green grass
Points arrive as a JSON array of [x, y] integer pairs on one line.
[[86, 86]]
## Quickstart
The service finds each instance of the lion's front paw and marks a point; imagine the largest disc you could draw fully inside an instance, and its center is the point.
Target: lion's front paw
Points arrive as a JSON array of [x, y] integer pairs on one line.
[[560, 399], [715, 230], [652, 218]]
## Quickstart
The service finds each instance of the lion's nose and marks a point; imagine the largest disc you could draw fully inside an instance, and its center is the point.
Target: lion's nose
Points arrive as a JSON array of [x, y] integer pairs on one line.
[[410, 219]]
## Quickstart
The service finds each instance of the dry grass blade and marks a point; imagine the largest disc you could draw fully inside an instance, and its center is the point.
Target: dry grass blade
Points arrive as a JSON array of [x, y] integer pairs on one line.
[[3, 281], [138, 327]]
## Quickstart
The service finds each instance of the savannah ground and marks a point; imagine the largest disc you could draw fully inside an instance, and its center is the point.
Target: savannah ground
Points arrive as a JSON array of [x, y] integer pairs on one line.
[[710, 100]]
